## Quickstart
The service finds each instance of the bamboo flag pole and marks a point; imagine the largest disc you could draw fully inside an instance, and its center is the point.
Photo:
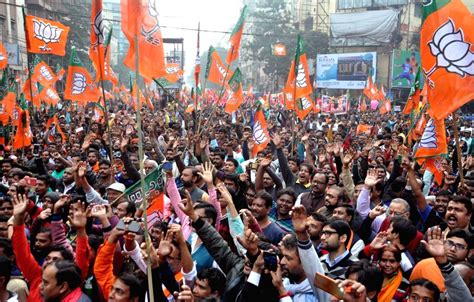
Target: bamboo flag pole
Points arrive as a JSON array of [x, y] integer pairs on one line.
[[101, 70], [142, 177], [458, 148], [28, 60], [294, 117]]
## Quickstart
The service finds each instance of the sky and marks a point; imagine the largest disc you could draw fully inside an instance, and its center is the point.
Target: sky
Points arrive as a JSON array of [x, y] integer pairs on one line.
[[214, 15]]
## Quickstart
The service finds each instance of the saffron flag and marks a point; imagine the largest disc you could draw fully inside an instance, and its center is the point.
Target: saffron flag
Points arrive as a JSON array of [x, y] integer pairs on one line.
[[435, 166], [140, 19], [23, 135], [45, 36], [3, 57], [97, 38], [371, 90], [48, 95], [260, 135], [7, 107], [53, 125], [237, 97], [216, 71], [279, 50], [42, 73], [79, 84], [304, 106], [60, 72], [30, 91], [235, 38], [173, 72], [447, 55], [298, 75], [386, 107], [433, 140], [362, 105], [363, 128]]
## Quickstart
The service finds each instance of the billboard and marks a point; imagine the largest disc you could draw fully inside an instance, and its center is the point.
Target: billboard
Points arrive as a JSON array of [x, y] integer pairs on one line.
[[404, 66], [345, 70]]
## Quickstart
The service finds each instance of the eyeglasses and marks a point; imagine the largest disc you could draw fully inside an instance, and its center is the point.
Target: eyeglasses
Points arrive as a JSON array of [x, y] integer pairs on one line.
[[390, 213], [328, 233], [416, 298], [457, 246]]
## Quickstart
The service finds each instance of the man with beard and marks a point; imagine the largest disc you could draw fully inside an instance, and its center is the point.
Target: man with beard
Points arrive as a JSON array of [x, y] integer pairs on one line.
[[435, 214], [217, 157], [458, 214], [334, 238], [106, 177], [189, 177], [295, 281], [314, 200], [314, 225], [280, 213], [260, 208], [334, 195]]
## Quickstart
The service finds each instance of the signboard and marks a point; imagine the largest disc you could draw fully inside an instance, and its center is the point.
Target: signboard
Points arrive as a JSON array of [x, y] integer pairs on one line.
[[13, 51], [333, 105], [404, 66], [345, 70]]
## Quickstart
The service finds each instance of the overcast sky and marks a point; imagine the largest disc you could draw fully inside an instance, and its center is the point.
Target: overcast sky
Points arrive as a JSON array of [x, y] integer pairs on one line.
[[214, 15]]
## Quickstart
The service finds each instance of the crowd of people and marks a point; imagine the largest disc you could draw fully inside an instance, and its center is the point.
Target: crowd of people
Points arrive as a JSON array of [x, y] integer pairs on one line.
[[322, 213]]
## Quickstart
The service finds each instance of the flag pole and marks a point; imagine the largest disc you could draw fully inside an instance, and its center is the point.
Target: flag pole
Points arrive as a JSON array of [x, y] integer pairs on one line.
[[142, 177], [295, 103], [458, 147], [101, 70], [196, 80], [28, 61], [221, 92]]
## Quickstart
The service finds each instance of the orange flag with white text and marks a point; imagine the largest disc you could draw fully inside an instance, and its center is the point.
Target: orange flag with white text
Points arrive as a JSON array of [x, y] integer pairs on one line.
[[140, 19], [304, 106], [447, 55]]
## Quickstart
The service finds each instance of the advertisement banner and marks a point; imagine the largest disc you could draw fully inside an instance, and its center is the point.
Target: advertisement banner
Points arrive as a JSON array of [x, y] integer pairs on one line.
[[404, 66], [13, 51], [345, 70]]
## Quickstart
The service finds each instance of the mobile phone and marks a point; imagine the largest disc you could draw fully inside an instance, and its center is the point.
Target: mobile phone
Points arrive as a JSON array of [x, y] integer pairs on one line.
[[133, 226], [120, 225], [79, 129], [328, 285], [270, 261], [32, 182], [36, 150]]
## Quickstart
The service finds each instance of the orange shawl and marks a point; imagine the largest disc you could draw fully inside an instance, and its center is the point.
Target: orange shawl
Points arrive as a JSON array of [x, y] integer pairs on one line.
[[389, 290]]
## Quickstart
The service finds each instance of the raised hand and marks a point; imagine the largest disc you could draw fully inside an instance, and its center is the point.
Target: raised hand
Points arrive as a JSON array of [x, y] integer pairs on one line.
[[276, 140], [124, 143], [265, 162], [249, 241], [371, 178], [78, 219], [81, 169], [377, 211], [186, 206], [63, 200], [435, 244], [20, 203], [346, 160], [298, 218], [379, 241], [207, 173], [353, 291], [44, 214], [98, 211]]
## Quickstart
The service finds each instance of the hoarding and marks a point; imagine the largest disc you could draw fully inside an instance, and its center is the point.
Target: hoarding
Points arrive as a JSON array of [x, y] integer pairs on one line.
[[345, 70], [404, 66]]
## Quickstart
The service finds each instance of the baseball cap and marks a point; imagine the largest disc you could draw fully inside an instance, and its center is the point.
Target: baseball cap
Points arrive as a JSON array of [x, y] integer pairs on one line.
[[116, 186]]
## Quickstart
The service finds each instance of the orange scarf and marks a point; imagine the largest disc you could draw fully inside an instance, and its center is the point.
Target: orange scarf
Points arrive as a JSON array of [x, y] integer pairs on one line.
[[389, 290]]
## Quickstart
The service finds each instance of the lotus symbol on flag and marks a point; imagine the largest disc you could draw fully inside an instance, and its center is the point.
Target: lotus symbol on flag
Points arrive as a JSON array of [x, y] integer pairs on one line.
[[259, 135], [171, 69], [223, 72], [428, 140], [301, 77], [51, 94], [45, 73], [304, 103], [99, 27], [451, 51], [149, 33], [46, 33], [78, 83]]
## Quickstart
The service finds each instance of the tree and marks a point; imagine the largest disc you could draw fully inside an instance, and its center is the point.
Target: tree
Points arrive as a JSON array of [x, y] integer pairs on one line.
[[271, 23]]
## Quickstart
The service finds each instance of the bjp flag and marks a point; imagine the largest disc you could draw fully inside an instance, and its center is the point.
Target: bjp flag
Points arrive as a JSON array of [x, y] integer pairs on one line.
[[299, 75], [7, 106], [235, 38], [173, 72], [216, 71], [140, 20], [42, 73], [260, 135], [79, 84], [414, 97], [23, 135], [31, 93], [363, 128], [435, 166], [386, 107], [362, 106], [3, 57], [370, 90], [304, 106], [433, 140], [236, 98], [447, 55], [45, 36], [48, 95]]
